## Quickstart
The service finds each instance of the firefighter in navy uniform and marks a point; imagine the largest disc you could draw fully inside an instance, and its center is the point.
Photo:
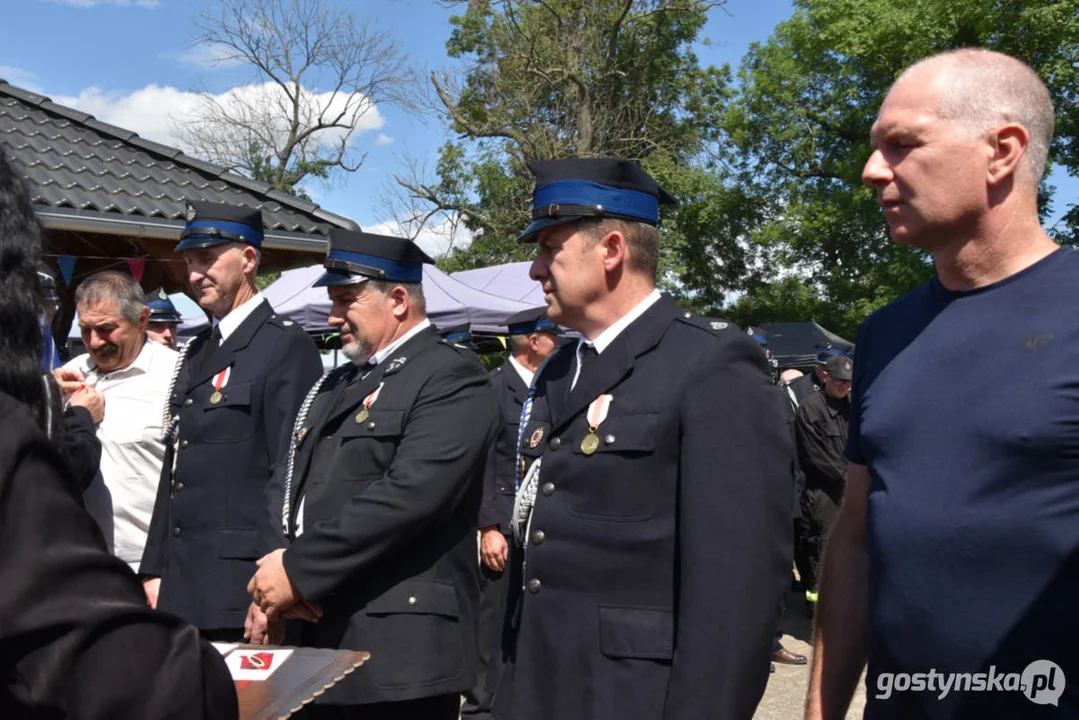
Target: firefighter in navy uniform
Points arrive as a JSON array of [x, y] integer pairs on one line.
[[164, 318], [236, 390], [374, 520], [654, 509], [532, 339]]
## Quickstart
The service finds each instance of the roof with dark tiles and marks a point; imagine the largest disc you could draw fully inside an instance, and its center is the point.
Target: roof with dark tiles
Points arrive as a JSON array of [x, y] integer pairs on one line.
[[72, 161]]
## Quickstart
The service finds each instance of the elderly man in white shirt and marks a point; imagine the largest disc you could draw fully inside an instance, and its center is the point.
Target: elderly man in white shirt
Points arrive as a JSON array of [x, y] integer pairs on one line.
[[132, 374]]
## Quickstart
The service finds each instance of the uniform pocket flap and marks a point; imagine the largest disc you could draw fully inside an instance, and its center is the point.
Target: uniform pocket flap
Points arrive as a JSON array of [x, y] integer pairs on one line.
[[628, 433], [233, 395], [636, 632], [416, 596], [373, 423], [239, 544]]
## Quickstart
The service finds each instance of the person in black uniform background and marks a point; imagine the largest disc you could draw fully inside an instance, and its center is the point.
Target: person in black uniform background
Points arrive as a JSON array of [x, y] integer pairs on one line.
[[374, 520], [803, 387], [77, 639], [235, 392], [821, 430], [655, 512], [532, 339], [164, 318]]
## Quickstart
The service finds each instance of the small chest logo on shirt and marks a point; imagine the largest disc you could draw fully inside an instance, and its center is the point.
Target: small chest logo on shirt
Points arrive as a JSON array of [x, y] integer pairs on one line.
[[1036, 341]]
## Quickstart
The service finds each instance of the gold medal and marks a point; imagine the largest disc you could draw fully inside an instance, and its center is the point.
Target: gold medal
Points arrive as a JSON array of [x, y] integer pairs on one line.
[[216, 397], [590, 443], [536, 439], [363, 415]]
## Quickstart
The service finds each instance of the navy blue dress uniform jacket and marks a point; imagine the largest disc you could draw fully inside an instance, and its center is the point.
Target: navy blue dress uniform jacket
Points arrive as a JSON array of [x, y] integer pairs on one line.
[[652, 584], [388, 543], [203, 538], [499, 479]]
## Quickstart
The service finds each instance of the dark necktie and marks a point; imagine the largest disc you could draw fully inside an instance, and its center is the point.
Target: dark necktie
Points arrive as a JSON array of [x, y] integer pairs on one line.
[[587, 356], [212, 345]]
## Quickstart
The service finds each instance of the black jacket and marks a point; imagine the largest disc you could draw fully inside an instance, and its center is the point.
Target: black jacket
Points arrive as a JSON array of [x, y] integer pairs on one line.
[[657, 564], [79, 445], [203, 539], [77, 639], [499, 479], [821, 430], [390, 499]]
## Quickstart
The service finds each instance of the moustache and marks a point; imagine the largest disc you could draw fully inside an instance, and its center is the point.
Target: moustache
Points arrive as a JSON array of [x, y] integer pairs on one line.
[[107, 349]]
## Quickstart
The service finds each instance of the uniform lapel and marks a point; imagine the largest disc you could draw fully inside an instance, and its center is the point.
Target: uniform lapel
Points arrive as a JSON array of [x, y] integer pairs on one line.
[[360, 389], [615, 362], [226, 354]]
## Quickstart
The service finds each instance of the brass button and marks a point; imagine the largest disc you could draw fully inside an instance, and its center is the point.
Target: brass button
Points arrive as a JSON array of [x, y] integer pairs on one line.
[[371, 425], [534, 585], [538, 537], [555, 443], [547, 489], [189, 402], [177, 531], [609, 439], [183, 443], [179, 487], [412, 600]]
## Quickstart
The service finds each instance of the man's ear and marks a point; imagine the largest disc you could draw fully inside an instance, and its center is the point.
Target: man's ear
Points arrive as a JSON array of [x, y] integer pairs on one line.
[[399, 299], [144, 318], [250, 265], [614, 250], [1009, 144]]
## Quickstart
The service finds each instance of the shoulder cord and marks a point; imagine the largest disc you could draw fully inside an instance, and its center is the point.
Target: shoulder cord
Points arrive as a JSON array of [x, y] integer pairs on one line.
[[168, 423], [297, 428], [48, 405]]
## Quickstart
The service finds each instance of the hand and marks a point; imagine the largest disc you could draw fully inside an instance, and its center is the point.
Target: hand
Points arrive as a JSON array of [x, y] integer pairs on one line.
[[90, 399], [68, 380], [151, 586], [258, 630], [274, 593], [493, 548]]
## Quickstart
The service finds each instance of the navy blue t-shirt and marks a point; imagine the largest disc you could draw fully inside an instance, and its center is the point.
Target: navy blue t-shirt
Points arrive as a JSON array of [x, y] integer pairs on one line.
[[965, 408]]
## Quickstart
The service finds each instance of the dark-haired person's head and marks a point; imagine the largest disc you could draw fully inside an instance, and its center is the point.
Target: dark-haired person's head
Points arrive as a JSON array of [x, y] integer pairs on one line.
[[20, 295]]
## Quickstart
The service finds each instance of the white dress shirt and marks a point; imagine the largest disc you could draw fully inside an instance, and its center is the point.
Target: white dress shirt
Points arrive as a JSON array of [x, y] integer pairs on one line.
[[602, 341], [392, 347], [121, 498], [229, 324], [524, 372]]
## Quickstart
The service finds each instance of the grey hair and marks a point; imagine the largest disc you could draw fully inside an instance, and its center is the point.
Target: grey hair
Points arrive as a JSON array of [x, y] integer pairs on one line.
[[415, 292], [985, 89], [518, 343], [112, 285]]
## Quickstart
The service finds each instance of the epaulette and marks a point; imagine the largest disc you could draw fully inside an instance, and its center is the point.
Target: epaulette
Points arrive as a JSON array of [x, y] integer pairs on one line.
[[715, 326], [282, 322]]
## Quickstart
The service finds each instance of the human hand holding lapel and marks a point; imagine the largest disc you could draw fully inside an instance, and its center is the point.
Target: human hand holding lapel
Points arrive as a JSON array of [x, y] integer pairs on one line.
[[275, 594]]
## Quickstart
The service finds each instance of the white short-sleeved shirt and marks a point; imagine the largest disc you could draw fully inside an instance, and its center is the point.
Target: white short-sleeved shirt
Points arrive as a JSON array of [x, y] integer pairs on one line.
[[121, 498]]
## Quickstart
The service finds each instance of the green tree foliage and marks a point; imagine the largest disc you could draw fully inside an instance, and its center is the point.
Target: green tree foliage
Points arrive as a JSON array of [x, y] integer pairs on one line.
[[560, 78], [799, 130]]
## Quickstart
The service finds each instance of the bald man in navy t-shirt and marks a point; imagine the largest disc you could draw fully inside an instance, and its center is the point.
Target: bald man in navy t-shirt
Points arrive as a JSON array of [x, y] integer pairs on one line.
[[954, 565]]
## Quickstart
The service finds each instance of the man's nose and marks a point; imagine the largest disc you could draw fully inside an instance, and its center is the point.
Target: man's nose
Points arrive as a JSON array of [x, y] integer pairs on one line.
[[876, 171], [538, 270]]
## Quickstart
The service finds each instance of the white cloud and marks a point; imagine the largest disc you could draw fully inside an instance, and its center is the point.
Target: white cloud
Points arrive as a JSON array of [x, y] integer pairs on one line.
[[154, 111], [383, 139], [20, 78], [148, 111], [117, 3], [434, 240]]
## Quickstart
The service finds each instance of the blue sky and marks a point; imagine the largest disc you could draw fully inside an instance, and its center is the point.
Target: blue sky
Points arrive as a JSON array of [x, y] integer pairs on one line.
[[130, 63]]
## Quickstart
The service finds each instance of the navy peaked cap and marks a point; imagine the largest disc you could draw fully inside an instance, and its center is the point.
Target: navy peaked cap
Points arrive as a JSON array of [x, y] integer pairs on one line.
[[210, 224], [356, 256], [161, 308], [575, 188], [532, 320]]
